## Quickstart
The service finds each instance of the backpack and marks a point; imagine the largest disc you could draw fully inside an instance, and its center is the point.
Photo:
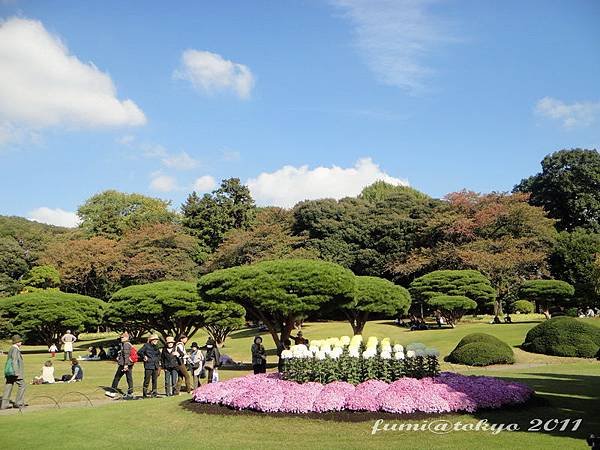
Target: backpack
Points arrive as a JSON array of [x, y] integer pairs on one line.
[[133, 355]]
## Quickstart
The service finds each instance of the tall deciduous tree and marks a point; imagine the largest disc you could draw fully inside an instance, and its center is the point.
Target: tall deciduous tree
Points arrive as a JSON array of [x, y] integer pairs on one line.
[[155, 253], [43, 315], [468, 283], [269, 237], [280, 292], [172, 308], [211, 216], [375, 295], [86, 266], [546, 293], [111, 213], [568, 187]]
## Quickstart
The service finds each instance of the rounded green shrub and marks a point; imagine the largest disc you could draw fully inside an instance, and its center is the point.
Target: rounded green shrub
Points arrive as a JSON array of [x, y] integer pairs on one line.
[[523, 307], [481, 349], [563, 336]]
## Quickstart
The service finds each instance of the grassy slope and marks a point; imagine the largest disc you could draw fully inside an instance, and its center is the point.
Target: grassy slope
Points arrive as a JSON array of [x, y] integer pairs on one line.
[[568, 387]]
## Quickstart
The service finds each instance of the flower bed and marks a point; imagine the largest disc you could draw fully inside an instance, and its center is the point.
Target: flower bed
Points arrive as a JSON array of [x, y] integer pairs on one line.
[[351, 360], [448, 392]]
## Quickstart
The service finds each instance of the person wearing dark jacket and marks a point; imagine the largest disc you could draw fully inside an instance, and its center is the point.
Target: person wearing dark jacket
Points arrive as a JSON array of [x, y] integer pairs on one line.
[[259, 356], [125, 367], [212, 359], [170, 362], [150, 354]]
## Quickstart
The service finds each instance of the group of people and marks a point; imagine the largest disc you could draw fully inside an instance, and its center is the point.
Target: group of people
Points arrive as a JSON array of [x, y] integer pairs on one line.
[[180, 367], [47, 375], [589, 312]]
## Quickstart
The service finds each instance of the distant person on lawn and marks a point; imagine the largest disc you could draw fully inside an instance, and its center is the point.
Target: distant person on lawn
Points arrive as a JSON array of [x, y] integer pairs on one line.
[[196, 364], [184, 361], [259, 356], [53, 349], [299, 339], [125, 367], [76, 372], [150, 354], [212, 359], [14, 373], [47, 376], [169, 360], [67, 340]]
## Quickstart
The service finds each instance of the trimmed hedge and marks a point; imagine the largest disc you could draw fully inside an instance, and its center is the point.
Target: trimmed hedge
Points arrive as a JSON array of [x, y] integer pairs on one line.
[[523, 307], [564, 336], [481, 349]]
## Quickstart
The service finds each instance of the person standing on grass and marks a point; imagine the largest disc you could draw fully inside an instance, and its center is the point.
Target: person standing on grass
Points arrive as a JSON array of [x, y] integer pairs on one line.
[[259, 356], [14, 374], [182, 369], [125, 367], [170, 363], [212, 359], [67, 340], [150, 354], [53, 349], [196, 364]]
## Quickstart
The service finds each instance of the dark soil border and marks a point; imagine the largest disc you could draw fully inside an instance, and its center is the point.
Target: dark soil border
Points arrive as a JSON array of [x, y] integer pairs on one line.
[[341, 416]]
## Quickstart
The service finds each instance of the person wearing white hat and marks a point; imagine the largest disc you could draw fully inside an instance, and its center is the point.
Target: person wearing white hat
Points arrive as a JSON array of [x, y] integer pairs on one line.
[[170, 362], [150, 354]]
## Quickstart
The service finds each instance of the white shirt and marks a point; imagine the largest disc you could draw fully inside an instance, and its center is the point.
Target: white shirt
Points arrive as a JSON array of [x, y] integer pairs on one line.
[[48, 374]]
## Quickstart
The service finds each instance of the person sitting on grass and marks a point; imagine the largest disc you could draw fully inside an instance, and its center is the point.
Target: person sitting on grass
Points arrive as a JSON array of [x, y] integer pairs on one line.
[[76, 372], [47, 376], [507, 319], [102, 354]]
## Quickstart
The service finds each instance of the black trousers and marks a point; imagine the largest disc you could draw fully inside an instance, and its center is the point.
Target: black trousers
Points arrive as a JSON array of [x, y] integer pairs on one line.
[[119, 374], [150, 374], [260, 368]]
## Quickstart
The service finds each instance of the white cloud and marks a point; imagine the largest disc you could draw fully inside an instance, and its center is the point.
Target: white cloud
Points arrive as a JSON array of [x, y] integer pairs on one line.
[[163, 183], [209, 72], [289, 185], [55, 216], [204, 183], [578, 114], [395, 37], [181, 161], [43, 85]]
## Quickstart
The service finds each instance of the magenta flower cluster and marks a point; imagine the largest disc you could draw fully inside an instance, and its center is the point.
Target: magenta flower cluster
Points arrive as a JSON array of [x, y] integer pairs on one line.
[[448, 392]]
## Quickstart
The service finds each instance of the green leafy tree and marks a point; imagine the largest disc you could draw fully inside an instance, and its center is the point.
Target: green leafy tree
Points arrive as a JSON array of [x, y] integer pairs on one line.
[[269, 237], [452, 307], [463, 283], [573, 261], [42, 277], [375, 296], [281, 292], [211, 216], [111, 213], [13, 259], [8, 286], [43, 315], [568, 187], [170, 307], [546, 293]]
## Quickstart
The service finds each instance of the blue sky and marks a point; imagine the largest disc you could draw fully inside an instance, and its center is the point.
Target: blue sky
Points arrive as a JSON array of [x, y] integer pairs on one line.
[[301, 99]]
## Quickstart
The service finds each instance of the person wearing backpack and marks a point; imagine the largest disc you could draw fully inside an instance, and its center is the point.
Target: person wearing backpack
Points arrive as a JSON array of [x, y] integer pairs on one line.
[[150, 354], [14, 374], [126, 358]]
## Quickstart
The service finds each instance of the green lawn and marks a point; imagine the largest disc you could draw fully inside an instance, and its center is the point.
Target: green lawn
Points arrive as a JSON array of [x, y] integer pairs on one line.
[[566, 387]]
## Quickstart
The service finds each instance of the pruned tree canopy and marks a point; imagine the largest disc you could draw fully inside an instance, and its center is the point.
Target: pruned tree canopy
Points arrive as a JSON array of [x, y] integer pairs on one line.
[[546, 292]]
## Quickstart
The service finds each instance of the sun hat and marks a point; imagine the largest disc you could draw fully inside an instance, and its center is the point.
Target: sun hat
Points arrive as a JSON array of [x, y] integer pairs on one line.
[[16, 339], [170, 339], [153, 337]]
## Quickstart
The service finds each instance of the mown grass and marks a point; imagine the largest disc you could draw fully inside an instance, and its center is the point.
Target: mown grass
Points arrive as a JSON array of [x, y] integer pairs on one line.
[[566, 388]]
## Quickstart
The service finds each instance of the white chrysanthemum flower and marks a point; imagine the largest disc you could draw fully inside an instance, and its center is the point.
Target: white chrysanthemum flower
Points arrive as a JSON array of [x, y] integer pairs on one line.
[[410, 354], [313, 348], [345, 340], [430, 351], [399, 355], [354, 352], [398, 348], [320, 355], [368, 354], [386, 348], [287, 354], [386, 355]]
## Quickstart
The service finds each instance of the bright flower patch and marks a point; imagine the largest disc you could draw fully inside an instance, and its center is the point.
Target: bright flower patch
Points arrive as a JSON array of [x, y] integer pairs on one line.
[[449, 392]]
